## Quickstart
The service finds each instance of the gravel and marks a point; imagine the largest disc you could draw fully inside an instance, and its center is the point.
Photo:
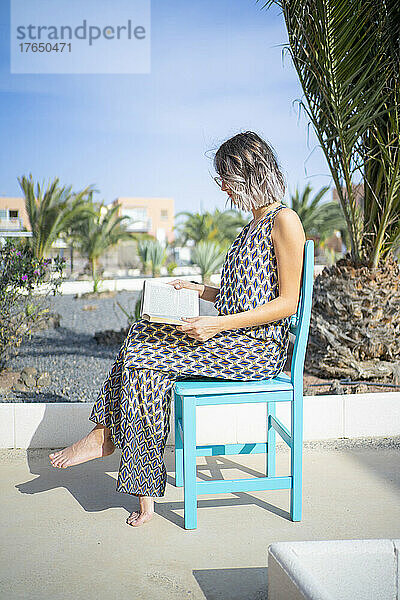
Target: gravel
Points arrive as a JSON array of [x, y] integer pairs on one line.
[[76, 363], [69, 353]]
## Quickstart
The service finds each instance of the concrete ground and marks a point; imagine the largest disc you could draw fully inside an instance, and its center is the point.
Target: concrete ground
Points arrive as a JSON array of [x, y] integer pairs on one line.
[[64, 534]]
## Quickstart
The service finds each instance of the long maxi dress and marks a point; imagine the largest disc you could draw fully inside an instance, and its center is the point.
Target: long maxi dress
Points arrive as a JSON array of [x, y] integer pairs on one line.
[[135, 399]]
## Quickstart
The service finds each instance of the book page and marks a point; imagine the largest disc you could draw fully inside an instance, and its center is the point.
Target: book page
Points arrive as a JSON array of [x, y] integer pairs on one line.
[[162, 299], [188, 303], [159, 299]]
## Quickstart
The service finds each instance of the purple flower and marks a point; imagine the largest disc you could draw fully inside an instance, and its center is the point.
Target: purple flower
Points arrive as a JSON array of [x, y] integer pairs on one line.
[[19, 253], [24, 277], [36, 271]]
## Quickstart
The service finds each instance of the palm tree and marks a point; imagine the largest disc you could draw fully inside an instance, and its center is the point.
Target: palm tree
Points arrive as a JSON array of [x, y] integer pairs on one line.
[[229, 222], [318, 219], [99, 231], [51, 211], [221, 227], [346, 54], [208, 256]]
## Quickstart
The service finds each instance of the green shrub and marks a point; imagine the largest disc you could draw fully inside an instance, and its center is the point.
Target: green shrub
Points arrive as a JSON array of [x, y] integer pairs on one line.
[[22, 275]]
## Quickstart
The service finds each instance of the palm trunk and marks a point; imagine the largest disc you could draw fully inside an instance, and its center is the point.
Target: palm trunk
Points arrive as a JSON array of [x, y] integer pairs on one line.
[[94, 273]]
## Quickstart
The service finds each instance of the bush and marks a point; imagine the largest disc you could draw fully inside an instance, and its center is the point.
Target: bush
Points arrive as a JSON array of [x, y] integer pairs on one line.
[[171, 266], [21, 307]]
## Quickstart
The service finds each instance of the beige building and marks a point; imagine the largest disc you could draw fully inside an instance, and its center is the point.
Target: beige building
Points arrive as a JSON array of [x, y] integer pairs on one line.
[[13, 216], [154, 216]]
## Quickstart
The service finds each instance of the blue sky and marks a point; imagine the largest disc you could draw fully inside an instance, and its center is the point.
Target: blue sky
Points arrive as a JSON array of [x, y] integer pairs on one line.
[[216, 69]]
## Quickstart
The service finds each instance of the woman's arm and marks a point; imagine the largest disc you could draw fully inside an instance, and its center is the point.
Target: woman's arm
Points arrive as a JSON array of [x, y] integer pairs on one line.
[[288, 239], [206, 292], [209, 293]]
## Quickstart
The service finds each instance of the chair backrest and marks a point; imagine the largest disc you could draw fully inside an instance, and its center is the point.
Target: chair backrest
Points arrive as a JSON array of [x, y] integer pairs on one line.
[[300, 322]]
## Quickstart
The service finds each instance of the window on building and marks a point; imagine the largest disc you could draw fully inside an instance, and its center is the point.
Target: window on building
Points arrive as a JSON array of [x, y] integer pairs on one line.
[[138, 219], [13, 214], [3, 213], [137, 214], [164, 215]]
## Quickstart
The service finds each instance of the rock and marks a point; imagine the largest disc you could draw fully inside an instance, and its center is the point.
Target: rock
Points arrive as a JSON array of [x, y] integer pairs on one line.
[[53, 321], [43, 380], [49, 321], [396, 373], [28, 380], [336, 388], [111, 337], [29, 371], [20, 387], [89, 307], [95, 295], [360, 389]]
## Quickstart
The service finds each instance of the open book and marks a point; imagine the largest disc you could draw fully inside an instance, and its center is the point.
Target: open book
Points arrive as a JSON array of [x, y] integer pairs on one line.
[[162, 303]]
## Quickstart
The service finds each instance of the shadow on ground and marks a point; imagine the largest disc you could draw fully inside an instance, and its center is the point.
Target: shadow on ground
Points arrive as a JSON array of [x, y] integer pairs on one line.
[[93, 484], [248, 583]]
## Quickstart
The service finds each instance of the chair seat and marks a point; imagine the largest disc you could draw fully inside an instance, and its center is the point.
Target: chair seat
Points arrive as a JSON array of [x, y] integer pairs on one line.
[[201, 387]]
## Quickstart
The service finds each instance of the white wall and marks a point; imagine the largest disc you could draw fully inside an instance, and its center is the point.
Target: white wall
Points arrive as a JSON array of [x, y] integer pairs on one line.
[[52, 425]]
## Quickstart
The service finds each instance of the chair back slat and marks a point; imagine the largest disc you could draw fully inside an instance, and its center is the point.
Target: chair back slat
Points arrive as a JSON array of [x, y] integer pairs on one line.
[[300, 322], [293, 324]]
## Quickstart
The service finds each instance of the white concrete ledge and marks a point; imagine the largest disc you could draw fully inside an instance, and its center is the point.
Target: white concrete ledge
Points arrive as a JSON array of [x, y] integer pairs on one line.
[[50, 425], [130, 284], [135, 284], [329, 570]]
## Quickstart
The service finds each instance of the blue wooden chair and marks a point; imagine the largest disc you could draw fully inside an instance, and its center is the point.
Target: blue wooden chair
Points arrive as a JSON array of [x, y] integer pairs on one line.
[[191, 393]]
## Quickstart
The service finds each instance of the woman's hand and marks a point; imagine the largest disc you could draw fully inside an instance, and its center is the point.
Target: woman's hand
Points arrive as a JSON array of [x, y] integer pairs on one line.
[[201, 328], [181, 283]]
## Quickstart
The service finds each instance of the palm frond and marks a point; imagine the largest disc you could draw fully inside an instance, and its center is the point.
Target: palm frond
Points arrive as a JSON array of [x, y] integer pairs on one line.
[[346, 54]]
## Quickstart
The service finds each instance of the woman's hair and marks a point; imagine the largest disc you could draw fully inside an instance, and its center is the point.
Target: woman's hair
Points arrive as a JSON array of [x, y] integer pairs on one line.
[[249, 167]]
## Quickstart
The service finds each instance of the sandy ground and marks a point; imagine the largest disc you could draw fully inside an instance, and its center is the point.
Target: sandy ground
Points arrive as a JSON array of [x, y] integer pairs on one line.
[[64, 534]]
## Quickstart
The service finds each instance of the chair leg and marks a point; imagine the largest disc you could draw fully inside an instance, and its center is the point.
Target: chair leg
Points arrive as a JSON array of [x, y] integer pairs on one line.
[[271, 441], [189, 461], [178, 443], [296, 459]]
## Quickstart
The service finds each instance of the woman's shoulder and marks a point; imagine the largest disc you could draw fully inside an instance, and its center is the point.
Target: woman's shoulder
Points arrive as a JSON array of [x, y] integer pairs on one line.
[[281, 216], [285, 213], [287, 221], [286, 217]]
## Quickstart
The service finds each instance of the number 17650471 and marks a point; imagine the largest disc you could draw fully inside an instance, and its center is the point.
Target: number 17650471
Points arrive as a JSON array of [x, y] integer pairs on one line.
[[45, 47]]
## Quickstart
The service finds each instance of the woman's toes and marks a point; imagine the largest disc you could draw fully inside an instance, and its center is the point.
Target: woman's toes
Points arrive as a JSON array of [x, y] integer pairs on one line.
[[133, 517], [141, 518]]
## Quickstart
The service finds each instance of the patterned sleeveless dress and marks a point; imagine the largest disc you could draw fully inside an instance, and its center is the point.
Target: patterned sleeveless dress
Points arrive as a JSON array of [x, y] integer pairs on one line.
[[135, 399]]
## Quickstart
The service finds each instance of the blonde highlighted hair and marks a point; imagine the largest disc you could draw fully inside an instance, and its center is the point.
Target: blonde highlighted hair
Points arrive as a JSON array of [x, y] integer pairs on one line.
[[249, 168]]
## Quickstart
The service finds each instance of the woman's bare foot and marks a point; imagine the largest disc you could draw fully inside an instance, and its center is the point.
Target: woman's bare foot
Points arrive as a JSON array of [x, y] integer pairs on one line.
[[94, 445], [144, 514]]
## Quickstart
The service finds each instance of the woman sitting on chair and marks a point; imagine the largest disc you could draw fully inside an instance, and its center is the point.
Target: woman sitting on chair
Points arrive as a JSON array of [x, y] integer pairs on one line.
[[248, 340]]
